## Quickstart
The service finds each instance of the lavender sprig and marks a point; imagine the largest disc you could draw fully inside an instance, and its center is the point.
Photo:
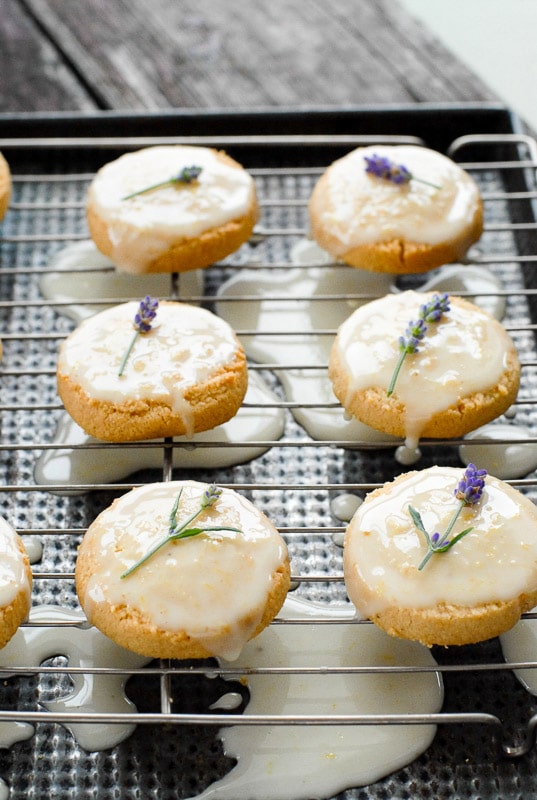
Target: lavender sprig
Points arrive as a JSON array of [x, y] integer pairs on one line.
[[180, 530], [429, 312], [143, 318], [186, 176], [468, 493], [382, 167]]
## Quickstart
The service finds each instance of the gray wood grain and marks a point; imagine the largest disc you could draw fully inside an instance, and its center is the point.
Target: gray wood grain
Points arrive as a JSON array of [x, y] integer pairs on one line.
[[33, 74], [128, 54]]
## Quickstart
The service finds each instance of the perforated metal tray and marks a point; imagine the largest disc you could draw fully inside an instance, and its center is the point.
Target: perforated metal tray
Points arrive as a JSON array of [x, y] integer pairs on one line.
[[484, 742]]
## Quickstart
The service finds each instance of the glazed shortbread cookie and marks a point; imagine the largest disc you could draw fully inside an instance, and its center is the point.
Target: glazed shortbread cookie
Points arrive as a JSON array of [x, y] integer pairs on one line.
[[186, 374], [396, 224], [5, 186], [473, 591], [180, 224], [194, 597], [15, 582], [464, 372]]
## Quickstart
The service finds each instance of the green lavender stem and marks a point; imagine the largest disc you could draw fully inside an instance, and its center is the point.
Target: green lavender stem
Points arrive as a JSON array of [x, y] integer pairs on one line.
[[416, 330], [181, 534], [396, 372], [468, 492], [441, 545], [127, 353], [178, 532], [168, 182], [427, 183], [186, 176]]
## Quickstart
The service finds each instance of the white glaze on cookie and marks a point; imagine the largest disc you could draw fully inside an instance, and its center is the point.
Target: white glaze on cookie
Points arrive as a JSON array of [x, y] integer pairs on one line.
[[496, 561], [13, 570], [462, 354], [143, 227], [364, 209], [190, 584], [185, 346]]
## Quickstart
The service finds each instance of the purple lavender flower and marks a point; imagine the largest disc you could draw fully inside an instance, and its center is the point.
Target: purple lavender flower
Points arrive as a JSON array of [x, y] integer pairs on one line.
[[188, 174], [143, 318], [468, 493], [471, 485], [382, 167], [210, 496], [433, 310], [415, 332], [146, 314]]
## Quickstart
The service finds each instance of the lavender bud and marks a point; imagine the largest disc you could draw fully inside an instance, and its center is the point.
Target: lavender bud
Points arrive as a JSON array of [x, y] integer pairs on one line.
[[471, 485], [382, 167], [210, 496], [433, 310], [188, 174], [146, 314]]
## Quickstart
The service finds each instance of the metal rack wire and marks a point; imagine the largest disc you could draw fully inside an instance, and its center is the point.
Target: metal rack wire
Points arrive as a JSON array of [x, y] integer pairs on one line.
[[295, 477]]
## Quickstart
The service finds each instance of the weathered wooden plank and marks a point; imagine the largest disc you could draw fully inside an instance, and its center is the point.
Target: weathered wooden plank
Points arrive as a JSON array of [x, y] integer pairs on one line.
[[227, 53], [33, 76], [422, 63]]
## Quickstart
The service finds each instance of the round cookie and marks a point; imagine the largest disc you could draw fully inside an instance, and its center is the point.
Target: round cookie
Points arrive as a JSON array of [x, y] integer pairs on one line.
[[186, 374], [398, 225], [180, 225], [195, 597], [15, 582], [5, 186], [473, 591], [464, 373]]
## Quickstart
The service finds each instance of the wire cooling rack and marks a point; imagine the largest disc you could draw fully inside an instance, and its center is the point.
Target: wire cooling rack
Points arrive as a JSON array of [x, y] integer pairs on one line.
[[484, 742]]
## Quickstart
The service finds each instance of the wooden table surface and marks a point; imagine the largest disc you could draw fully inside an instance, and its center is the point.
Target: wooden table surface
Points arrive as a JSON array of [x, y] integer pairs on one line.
[[90, 55]]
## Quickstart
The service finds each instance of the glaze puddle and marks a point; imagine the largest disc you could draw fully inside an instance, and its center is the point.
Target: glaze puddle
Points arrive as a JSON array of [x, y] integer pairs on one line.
[[90, 281], [34, 548], [453, 279], [68, 465], [344, 506], [303, 347], [505, 461], [274, 763], [315, 274], [289, 763], [10, 734], [83, 647], [520, 644]]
